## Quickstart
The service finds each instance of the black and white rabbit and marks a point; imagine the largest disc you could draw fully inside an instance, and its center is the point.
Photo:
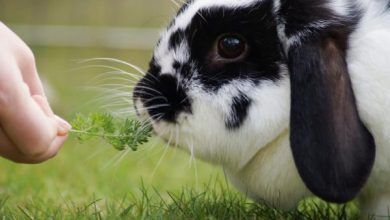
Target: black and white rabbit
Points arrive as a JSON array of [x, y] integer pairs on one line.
[[290, 97]]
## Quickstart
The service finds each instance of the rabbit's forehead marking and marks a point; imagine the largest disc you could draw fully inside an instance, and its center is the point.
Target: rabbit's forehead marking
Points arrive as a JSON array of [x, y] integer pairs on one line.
[[191, 8]]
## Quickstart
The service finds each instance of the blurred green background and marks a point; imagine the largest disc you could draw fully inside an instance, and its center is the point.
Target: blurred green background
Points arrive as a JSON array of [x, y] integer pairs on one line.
[[61, 33]]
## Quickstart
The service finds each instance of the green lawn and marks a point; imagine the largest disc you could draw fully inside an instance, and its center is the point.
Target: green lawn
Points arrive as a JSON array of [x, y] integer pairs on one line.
[[94, 181]]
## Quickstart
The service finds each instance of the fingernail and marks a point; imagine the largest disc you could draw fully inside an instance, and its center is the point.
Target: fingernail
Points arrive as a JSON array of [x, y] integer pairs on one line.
[[64, 126]]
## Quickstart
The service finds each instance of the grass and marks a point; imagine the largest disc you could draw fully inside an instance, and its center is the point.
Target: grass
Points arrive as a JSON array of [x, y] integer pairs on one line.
[[215, 202], [94, 181]]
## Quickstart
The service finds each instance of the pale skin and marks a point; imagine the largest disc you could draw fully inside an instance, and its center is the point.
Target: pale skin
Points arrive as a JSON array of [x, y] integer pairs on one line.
[[29, 130]]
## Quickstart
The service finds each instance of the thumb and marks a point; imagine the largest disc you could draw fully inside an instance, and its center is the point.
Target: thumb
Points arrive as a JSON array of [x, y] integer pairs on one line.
[[63, 125]]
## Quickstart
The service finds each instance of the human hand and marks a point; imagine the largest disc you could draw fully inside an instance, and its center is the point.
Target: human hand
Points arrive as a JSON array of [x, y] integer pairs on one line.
[[29, 130]]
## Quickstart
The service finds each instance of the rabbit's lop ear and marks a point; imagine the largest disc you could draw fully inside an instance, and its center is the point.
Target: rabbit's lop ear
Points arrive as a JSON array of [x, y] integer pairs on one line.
[[332, 149]]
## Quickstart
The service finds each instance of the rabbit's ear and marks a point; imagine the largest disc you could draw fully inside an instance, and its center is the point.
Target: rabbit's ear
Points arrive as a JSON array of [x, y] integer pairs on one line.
[[332, 149]]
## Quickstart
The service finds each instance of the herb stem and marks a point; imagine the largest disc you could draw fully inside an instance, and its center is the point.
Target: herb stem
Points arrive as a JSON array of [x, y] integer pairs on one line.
[[97, 134]]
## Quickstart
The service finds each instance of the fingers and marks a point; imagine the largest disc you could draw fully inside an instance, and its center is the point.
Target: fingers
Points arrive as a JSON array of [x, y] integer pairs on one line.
[[11, 152], [63, 126], [28, 121], [44, 104], [30, 74], [30, 130]]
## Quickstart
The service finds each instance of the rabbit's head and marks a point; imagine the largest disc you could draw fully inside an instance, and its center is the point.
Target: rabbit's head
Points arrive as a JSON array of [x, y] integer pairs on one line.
[[219, 87]]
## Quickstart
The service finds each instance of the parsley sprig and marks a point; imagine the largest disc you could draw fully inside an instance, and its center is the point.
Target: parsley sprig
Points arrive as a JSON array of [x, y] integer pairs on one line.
[[121, 134]]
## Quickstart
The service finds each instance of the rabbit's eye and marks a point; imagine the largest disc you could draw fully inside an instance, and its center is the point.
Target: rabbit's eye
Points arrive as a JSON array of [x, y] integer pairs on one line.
[[231, 46]]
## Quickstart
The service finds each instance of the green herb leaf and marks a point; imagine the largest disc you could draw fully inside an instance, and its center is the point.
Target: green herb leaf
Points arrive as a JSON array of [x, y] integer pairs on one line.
[[121, 134]]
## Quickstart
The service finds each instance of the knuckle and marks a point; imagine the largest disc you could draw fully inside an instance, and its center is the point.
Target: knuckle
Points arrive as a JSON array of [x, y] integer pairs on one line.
[[9, 83], [4, 97], [7, 95], [28, 57], [25, 56]]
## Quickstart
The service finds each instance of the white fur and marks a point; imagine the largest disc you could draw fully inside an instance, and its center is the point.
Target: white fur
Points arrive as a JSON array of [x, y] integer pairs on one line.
[[165, 57], [369, 66], [257, 156], [340, 7]]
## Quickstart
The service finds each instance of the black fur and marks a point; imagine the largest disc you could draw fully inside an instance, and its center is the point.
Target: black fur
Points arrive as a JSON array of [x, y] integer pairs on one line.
[[163, 97], [176, 39], [176, 65], [186, 70], [154, 68], [300, 13], [332, 149], [255, 23], [239, 111], [301, 16]]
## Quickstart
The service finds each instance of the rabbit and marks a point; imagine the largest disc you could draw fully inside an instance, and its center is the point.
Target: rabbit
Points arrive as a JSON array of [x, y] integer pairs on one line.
[[290, 97]]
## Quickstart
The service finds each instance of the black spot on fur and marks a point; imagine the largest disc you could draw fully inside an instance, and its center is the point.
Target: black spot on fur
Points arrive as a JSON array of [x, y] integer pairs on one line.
[[154, 68], [176, 65], [239, 111], [176, 39], [255, 23], [185, 70]]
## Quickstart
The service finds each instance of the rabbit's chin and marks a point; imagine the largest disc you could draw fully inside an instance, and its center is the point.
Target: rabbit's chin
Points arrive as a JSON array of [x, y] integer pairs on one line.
[[168, 131], [203, 133]]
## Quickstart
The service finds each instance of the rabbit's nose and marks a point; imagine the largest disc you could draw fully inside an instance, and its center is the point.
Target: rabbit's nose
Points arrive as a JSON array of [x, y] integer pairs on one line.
[[163, 97]]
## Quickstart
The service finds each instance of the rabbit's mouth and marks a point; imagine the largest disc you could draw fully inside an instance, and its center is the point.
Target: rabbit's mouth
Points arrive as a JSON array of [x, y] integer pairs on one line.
[[156, 118], [162, 97], [162, 100], [169, 131]]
